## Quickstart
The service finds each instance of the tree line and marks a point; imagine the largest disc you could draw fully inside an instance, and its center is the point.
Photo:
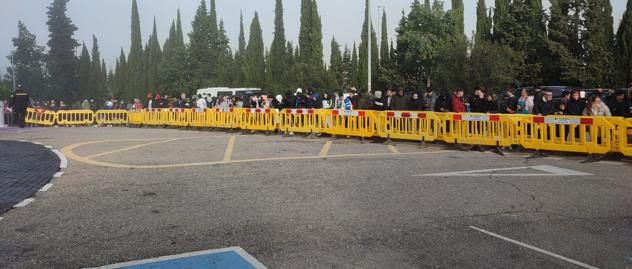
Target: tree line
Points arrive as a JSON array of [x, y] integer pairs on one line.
[[515, 43]]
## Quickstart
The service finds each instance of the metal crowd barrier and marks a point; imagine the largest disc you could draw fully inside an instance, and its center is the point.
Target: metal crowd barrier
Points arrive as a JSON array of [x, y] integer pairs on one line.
[[590, 135]]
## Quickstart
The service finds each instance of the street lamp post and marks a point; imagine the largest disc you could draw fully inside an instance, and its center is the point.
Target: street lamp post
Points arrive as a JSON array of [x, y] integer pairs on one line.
[[369, 47], [379, 27], [13, 72]]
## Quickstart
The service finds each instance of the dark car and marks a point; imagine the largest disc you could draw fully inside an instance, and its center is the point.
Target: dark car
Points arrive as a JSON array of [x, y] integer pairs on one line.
[[558, 91]]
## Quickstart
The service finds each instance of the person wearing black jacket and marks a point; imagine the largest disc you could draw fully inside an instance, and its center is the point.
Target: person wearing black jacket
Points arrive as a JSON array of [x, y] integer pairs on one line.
[[477, 101], [575, 106], [620, 106], [546, 105], [417, 104], [19, 104]]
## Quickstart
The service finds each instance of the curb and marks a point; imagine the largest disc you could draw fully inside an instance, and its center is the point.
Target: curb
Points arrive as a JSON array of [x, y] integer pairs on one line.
[[63, 164]]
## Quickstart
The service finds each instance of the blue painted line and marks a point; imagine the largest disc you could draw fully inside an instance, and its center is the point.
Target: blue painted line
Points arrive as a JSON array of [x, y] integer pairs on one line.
[[228, 258]]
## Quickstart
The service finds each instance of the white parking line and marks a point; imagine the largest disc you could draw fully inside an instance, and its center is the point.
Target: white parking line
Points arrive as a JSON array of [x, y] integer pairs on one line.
[[578, 263], [46, 187], [58, 174], [48, 147], [24, 203]]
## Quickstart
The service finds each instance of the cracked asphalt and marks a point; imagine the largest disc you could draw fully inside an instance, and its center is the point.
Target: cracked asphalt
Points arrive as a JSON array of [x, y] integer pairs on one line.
[[361, 206]]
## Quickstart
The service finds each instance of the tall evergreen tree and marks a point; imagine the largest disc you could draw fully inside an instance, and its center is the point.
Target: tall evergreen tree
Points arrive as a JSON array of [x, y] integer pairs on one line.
[[624, 47], [346, 68], [384, 50], [214, 44], [224, 74], [310, 64], [174, 70], [200, 47], [85, 84], [61, 61], [599, 41], [335, 64], [483, 22], [255, 62], [180, 35], [97, 80], [458, 20], [135, 58], [277, 61], [154, 55], [240, 55], [120, 77], [355, 72], [28, 61], [363, 63], [564, 46], [503, 22]]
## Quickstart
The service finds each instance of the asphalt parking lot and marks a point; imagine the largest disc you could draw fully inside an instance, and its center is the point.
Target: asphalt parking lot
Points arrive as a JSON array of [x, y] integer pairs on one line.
[[292, 202]]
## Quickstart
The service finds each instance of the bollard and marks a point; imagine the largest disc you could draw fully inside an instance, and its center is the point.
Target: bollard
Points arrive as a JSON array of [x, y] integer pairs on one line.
[[2, 124]]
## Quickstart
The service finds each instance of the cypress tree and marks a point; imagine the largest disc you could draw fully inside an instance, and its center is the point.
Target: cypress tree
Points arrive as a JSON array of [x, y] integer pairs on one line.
[[277, 62], [255, 62], [624, 47], [135, 58], [316, 38], [363, 63], [502, 22], [483, 22], [174, 71], [214, 45], [85, 85], [212, 20], [304, 37], [346, 68], [384, 50], [599, 36], [61, 60], [98, 82], [199, 47], [354, 71], [154, 53], [180, 36], [120, 76], [335, 64], [458, 20], [240, 55], [28, 60], [225, 57]]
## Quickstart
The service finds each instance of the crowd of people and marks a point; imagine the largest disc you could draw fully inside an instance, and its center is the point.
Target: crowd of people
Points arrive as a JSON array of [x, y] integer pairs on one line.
[[537, 101]]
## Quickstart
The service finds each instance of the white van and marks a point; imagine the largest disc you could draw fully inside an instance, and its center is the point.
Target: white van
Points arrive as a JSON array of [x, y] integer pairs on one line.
[[224, 91]]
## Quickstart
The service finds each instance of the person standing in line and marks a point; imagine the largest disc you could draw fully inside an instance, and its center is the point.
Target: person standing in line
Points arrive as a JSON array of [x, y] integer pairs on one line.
[[458, 105], [19, 104]]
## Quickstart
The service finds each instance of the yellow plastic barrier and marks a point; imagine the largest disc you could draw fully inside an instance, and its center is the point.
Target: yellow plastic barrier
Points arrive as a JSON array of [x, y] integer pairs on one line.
[[156, 117], [200, 117], [300, 121], [625, 137], [258, 119], [418, 126], [115, 117], [177, 117], [40, 117], [592, 135], [224, 118], [360, 123], [478, 129], [136, 117], [75, 117]]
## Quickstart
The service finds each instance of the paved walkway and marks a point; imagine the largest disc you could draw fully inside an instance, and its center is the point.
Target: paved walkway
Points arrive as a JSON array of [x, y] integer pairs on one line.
[[24, 169]]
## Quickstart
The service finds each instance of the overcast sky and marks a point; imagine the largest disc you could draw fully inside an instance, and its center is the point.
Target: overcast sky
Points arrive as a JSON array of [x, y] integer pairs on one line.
[[110, 21]]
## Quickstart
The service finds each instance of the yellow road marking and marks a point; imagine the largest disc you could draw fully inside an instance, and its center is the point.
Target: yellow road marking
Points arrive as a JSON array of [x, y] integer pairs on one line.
[[131, 148], [394, 149], [229, 149], [68, 151], [325, 150]]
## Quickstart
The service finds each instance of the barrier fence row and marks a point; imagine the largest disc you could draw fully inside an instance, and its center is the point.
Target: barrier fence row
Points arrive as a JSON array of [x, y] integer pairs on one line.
[[590, 135]]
